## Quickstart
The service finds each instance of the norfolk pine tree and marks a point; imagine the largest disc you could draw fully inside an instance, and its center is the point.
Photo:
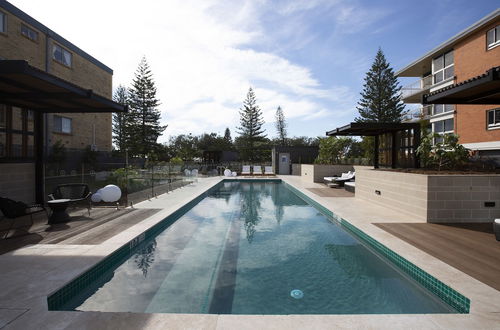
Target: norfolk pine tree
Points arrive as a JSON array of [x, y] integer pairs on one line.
[[281, 126], [380, 99], [227, 136], [120, 119], [251, 131], [381, 96], [145, 125]]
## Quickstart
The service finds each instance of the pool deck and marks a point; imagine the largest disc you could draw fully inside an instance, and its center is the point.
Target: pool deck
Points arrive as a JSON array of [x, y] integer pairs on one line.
[[29, 274]]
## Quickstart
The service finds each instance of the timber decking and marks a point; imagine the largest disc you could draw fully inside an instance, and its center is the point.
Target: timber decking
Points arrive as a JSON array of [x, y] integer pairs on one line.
[[102, 224], [470, 248]]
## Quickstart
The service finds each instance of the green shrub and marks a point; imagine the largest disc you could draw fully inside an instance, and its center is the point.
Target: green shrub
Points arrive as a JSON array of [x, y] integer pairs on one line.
[[446, 154]]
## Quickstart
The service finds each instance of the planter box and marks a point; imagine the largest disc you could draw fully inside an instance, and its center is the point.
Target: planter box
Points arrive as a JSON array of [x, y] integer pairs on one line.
[[433, 198]]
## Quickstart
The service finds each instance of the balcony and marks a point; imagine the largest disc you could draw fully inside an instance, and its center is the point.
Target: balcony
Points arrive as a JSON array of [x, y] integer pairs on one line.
[[413, 92], [417, 114]]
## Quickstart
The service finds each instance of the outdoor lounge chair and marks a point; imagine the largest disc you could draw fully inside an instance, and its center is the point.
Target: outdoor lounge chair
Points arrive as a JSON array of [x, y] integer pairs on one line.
[[338, 181], [343, 179], [257, 170], [75, 192], [268, 170], [12, 210], [245, 170], [350, 186]]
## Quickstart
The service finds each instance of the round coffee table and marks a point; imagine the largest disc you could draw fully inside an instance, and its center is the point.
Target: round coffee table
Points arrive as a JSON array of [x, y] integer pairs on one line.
[[58, 207]]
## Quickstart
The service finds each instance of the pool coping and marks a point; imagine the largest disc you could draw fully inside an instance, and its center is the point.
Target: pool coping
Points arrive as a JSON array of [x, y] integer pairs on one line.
[[86, 280], [24, 297]]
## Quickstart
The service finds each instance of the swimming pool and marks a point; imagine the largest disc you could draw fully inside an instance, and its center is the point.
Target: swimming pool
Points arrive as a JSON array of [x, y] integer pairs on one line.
[[249, 248]]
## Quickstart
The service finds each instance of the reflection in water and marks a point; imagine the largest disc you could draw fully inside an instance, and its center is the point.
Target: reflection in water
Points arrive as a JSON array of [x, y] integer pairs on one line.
[[250, 207], [145, 257], [356, 261], [278, 206]]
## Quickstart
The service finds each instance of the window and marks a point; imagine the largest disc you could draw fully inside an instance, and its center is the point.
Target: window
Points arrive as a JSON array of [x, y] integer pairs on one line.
[[494, 118], [443, 67], [443, 108], [16, 134], [61, 55], [62, 124], [29, 33], [3, 22], [443, 126], [493, 37]]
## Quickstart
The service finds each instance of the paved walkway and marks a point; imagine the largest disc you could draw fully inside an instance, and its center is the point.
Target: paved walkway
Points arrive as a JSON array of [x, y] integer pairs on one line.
[[28, 275]]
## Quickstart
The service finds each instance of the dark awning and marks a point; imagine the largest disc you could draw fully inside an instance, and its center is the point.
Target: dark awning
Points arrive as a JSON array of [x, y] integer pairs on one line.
[[371, 129], [484, 89], [25, 86]]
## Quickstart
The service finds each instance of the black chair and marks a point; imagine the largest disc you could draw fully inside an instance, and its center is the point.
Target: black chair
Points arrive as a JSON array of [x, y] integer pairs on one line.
[[12, 210], [75, 192]]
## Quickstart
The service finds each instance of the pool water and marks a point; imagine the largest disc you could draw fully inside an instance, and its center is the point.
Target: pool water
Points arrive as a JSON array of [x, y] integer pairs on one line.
[[257, 248]]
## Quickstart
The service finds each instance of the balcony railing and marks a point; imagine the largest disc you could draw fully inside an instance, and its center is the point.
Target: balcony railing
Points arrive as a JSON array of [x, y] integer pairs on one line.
[[416, 114], [417, 87]]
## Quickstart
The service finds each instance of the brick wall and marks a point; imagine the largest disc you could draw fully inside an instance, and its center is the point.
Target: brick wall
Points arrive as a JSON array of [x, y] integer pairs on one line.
[[17, 181], [15, 46], [472, 59]]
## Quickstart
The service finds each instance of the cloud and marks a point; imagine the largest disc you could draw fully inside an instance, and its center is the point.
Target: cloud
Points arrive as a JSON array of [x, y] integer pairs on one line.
[[204, 55]]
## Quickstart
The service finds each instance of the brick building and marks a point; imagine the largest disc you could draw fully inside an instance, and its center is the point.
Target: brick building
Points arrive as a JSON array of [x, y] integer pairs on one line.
[[466, 55], [78, 115]]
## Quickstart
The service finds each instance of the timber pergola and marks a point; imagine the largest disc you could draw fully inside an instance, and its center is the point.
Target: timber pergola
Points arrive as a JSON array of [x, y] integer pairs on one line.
[[378, 129], [483, 89], [24, 86]]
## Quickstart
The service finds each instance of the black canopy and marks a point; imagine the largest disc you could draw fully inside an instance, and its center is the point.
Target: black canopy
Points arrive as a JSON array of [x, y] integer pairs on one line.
[[484, 89], [25, 86]]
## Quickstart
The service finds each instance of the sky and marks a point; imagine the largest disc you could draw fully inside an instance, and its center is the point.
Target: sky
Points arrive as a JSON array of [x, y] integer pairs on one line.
[[307, 56]]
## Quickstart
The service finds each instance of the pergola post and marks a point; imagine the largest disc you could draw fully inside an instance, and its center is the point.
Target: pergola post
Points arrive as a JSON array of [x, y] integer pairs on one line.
[[394, 152], [416, 144], [39, 158], [375, 152]]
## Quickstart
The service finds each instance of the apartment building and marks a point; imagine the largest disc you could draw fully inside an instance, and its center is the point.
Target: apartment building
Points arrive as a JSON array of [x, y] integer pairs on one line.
[[467, 55], [24, 38], [50, 90]]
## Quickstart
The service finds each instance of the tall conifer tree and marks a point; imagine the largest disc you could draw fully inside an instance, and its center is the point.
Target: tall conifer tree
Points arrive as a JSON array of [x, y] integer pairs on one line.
[[381, 95], [251, 131], [281, 126], [145, 125], [120, 119], [227, 136]]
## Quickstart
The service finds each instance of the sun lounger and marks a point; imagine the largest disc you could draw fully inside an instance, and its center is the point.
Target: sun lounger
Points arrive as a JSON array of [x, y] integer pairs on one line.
[[268, 170], [350, 186], [338, 181], [245, 170], [257, 170]]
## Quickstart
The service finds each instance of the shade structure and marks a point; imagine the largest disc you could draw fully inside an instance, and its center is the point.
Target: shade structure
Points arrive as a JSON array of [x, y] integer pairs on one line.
[[371, 129], [483, 89], [25, 86], [395, 143]]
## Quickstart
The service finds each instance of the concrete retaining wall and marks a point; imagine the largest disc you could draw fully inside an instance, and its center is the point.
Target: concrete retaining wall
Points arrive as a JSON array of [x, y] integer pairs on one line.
[[316, 173], [296, 169], [433, 198]]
